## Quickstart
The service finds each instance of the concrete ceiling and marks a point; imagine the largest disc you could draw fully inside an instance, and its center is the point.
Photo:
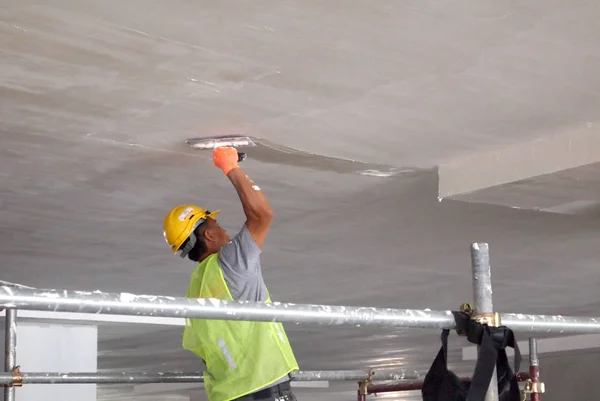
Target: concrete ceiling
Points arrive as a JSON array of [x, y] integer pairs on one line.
[[366, 114]]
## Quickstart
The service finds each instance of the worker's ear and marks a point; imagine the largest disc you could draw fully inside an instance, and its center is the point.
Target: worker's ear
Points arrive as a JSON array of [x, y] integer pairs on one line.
[[210, 234]]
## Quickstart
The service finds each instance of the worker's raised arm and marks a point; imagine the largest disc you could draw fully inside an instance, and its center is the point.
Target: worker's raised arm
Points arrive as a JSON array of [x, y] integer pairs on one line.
[[255, 204]]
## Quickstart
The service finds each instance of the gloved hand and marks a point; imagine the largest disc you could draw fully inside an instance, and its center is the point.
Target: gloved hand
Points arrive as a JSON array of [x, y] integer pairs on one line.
[[225, 158]]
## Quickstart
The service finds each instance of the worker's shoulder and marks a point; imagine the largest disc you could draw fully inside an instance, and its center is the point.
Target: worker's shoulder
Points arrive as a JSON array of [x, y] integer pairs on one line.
[[241, 254], [244, 241]]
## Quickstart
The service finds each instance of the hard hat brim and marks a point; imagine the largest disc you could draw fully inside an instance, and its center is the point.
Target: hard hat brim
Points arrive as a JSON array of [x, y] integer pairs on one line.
[[214, 214]]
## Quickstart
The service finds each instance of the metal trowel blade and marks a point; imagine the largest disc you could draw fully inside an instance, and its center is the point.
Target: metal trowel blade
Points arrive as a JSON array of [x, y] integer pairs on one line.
[[212, 142]]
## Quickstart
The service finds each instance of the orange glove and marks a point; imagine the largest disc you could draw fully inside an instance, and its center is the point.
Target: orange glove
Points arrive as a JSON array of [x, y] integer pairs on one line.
[[225, 158]]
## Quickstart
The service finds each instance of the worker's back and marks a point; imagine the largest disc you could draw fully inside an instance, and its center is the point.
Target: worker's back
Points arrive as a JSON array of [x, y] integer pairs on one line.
[[241, 357]]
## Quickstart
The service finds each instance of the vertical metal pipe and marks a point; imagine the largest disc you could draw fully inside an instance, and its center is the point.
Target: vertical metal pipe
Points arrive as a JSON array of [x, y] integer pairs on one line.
[[482, 297], [534, 368], [10, 348], [363, 387]]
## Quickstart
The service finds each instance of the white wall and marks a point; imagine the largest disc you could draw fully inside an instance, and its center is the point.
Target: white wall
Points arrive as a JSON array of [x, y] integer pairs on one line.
[[48, 347]]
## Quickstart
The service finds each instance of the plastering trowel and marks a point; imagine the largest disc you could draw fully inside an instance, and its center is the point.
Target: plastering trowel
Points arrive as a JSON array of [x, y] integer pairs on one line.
[[213, 142]]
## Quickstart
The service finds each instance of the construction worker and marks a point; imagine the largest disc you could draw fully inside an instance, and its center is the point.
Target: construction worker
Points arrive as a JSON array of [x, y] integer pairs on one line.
[[244, 360]]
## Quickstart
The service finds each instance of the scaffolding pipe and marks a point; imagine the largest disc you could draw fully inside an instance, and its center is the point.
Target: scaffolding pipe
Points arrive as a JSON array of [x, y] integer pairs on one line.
[[353, 375], [188, 377], [10, 349], [534, 370], [482, 298], [198, 308], [410, 385], [558, 324], [102, 378]]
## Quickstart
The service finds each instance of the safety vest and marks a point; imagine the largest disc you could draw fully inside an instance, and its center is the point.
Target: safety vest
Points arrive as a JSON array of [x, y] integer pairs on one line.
[[241, 357]]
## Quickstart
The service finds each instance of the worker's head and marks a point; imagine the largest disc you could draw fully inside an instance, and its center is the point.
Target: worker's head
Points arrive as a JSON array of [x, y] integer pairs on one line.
[[193, 232]]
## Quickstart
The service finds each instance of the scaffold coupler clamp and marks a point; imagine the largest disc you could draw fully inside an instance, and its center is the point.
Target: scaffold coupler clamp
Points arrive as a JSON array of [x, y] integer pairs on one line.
[[363, 385], [17, 378], [533, 388], [467, 309], [491, 319]]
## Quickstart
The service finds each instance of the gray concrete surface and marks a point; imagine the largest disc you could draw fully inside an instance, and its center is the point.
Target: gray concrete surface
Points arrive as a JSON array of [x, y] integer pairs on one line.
[[97, 99], [571, 376]]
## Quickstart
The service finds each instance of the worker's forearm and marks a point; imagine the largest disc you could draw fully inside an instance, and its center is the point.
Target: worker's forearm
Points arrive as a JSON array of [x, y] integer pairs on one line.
[[254, 202]]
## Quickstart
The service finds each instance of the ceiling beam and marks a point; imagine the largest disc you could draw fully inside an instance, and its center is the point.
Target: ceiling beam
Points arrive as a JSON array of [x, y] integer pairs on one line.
[[575, 147]]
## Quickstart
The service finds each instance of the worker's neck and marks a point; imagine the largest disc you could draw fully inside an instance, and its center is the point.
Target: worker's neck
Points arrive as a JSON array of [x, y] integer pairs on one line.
[[206, 255]]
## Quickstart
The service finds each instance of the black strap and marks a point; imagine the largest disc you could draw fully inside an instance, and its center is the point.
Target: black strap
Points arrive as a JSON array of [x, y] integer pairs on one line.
[[484, 369], [502, 336], [492, 354], [445, 334], [440, 384]]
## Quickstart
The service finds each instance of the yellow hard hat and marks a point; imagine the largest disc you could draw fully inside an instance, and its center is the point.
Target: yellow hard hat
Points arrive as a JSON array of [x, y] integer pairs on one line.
[[179, 226]]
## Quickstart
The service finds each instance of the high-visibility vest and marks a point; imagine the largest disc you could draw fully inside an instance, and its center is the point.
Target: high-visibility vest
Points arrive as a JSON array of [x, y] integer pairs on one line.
[[241, 357]]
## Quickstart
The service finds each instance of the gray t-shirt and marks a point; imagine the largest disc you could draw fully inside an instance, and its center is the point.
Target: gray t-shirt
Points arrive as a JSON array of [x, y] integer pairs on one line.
[[240, 263]]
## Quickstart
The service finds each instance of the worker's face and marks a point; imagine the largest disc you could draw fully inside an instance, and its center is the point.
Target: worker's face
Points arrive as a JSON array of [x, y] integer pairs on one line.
[[215, 233]]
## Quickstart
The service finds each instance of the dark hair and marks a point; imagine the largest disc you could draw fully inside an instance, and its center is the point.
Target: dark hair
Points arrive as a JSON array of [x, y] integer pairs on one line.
[[200, 246]]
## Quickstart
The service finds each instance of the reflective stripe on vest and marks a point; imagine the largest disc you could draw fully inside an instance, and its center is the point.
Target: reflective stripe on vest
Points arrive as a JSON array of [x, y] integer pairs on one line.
[[242, 357]]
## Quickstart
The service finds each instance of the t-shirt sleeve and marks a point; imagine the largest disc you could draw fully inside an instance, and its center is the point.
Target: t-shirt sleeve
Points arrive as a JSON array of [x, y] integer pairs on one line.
[[241, 256]]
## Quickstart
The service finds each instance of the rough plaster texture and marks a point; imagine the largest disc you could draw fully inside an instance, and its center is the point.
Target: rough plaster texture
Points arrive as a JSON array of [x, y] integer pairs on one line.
[[97, 99]]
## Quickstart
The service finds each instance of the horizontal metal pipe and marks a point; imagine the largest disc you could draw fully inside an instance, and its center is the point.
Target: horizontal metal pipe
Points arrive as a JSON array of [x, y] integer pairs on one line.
[[191, 377], [354, 375], [100, 378], [520, 322], [198, 308], [409, 385]]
